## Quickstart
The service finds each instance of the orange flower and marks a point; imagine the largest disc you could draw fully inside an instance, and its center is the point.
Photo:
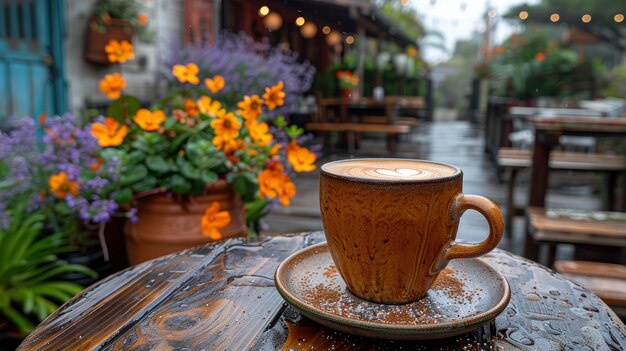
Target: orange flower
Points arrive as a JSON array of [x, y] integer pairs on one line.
[[274, 183], [209, 106], [143, 19], [222, 143], [60, 185], [226, 125], [259, 132], [191, 108], [96, 165], [300, 158], [499, 50], [216, 84], [250, 107], [540, 57], [274, 150], [119, 51], [274, 96], [112, 85], [186, 74], [148, 120], [214, 219], [42, 119], [411, 51], [109, 133]]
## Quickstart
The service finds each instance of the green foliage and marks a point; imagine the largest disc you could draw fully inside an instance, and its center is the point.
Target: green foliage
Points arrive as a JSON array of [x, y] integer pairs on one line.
[[327, 85], [617, 83], [405, 18], [128, 10], [29, 290], [532, 67]]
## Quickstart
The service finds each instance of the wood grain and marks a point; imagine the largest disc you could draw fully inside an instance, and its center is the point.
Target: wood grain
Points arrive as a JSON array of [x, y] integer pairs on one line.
[[221, 297]]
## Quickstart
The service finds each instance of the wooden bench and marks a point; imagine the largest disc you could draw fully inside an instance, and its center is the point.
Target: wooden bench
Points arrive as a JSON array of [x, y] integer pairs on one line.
[[516, 160], [409, 121], [392, 130], [550, 227], [606, 280]]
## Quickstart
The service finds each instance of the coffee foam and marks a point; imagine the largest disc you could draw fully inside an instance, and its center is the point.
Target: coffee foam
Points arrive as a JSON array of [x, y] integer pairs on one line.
[[389, 169]]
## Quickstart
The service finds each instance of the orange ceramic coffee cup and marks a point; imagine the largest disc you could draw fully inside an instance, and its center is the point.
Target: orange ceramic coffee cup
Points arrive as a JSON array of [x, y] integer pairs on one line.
[[391, 224]]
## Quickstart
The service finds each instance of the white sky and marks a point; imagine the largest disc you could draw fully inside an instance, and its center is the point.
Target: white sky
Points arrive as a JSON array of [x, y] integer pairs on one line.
[[449, 18]]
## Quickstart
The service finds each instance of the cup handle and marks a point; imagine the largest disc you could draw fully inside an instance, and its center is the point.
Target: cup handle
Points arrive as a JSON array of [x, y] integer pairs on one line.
[[492, 214]]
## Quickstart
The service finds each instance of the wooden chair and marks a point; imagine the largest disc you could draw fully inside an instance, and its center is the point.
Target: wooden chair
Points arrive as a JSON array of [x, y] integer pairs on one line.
[[515, 160]]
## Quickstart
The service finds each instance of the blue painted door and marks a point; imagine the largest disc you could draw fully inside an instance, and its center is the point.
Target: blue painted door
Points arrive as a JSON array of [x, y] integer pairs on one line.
[[31, 67]]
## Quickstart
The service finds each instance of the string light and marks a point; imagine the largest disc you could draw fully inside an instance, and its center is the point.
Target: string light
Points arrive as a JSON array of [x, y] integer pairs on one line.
[[555, 17], [619, 18], [326, 29], [586, 18], [300, 21], [349, 40], [263, 11], [523, 15]]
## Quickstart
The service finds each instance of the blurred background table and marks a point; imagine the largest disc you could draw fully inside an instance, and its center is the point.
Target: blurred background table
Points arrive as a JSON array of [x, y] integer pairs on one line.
[[548, 131], [222, 297]]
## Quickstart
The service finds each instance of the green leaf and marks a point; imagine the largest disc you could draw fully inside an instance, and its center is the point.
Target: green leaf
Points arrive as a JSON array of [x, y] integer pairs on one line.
[[294, 131], [157, 163], [123, 108], [280, 122], [134, 175], [145, 184], [256, 209], [179, 184], [208, 177], [189, 171], [178, 141], [124, 196]]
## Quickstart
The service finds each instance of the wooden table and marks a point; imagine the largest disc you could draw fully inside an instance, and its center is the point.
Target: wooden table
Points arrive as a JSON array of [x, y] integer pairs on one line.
[[222, 297], [333, 116], [547, 134], [390, 106]]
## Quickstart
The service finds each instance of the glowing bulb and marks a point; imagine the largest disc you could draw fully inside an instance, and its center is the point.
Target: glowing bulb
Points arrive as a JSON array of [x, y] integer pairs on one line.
[[333, 38], [619, 18], [523, 15], [300, 21], [308, 30], [555, 17], [264, 10], [326, 29], [586, 18], [273, 21], [349, 40]]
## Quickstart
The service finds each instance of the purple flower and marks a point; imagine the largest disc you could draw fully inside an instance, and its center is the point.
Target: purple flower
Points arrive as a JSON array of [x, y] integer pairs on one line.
[[248, 67]]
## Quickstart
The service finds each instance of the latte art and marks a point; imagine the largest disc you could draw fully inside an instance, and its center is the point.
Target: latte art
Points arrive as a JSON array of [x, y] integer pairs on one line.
[[389, 169]]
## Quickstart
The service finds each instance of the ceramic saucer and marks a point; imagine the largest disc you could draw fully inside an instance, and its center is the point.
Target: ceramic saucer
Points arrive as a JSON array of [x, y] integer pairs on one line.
[[467, 294]]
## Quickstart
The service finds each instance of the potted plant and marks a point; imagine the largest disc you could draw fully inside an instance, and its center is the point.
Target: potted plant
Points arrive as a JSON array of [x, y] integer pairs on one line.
[[189, 163], [116, 20], [65, 178], [30, 287], [347, 82]]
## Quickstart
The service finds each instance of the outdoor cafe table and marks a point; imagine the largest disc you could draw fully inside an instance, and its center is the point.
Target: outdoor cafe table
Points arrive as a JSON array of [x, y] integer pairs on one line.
[[548, 130], [222, 297]]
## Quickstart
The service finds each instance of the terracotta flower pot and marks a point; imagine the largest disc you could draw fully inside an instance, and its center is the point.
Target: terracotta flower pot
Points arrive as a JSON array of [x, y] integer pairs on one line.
[[166, 226], [347, 93], [98, 35]]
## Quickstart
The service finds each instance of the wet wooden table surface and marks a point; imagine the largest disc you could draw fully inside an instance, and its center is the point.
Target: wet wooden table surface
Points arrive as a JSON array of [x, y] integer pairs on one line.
[[222, 297]]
